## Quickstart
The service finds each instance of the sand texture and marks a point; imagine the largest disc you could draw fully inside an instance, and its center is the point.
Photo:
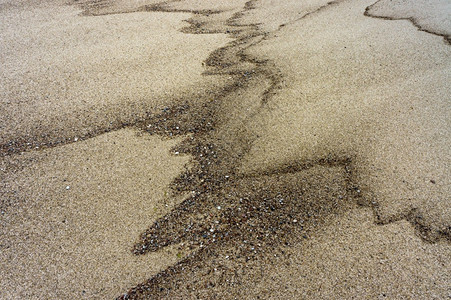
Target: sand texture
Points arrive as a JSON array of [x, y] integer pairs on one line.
[[225, 149], [86, 75], [74, 212]]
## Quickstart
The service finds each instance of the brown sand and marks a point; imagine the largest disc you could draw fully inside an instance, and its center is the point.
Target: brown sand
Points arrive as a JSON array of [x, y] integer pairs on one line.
[[85, 75], [275, 15], [429, 16], [330, 109], [354, 258], [75, 211], [349, 92]]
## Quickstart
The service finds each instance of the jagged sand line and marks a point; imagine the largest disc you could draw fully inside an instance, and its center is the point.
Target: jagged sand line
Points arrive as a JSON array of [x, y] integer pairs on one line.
[[103, 76], [235, 222], [214, 172], [352, 101], [417, 18]]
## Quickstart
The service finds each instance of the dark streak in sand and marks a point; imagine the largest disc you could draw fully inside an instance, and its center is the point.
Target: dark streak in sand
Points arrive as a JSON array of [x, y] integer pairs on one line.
[[230, 224], [414, 21]]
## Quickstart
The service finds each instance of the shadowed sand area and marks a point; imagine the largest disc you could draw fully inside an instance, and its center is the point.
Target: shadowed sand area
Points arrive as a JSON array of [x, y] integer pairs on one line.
[[280, 150]]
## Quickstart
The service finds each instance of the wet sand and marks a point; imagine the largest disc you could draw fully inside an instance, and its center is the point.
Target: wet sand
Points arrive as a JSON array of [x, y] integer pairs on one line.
[[259, 149]]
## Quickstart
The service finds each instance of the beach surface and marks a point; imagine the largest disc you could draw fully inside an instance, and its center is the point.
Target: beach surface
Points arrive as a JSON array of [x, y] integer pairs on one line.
[[233, 149]]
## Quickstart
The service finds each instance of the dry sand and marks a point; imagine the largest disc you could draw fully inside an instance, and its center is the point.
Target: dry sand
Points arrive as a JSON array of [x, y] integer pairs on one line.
[[352, 258], [84, 75], [377, 91], [428, 16], [317, 136], [75, 211]]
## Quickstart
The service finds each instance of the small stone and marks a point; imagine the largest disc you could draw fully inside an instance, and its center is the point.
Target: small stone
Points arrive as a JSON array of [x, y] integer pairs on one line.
[[67, 187]]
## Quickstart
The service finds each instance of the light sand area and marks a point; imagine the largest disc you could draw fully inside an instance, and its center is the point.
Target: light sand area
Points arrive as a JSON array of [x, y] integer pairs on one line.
[[100, 7], [211, 5], [276, 14], [75, 212], [431, 16], [372, 90], [65, 75], [105, 7], [352, 258]]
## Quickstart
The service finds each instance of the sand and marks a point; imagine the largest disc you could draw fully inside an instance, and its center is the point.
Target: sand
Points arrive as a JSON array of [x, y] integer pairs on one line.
[[428, 16], [354, 258], [75, 211], [259, 149], [349, 93], [84, 75]]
